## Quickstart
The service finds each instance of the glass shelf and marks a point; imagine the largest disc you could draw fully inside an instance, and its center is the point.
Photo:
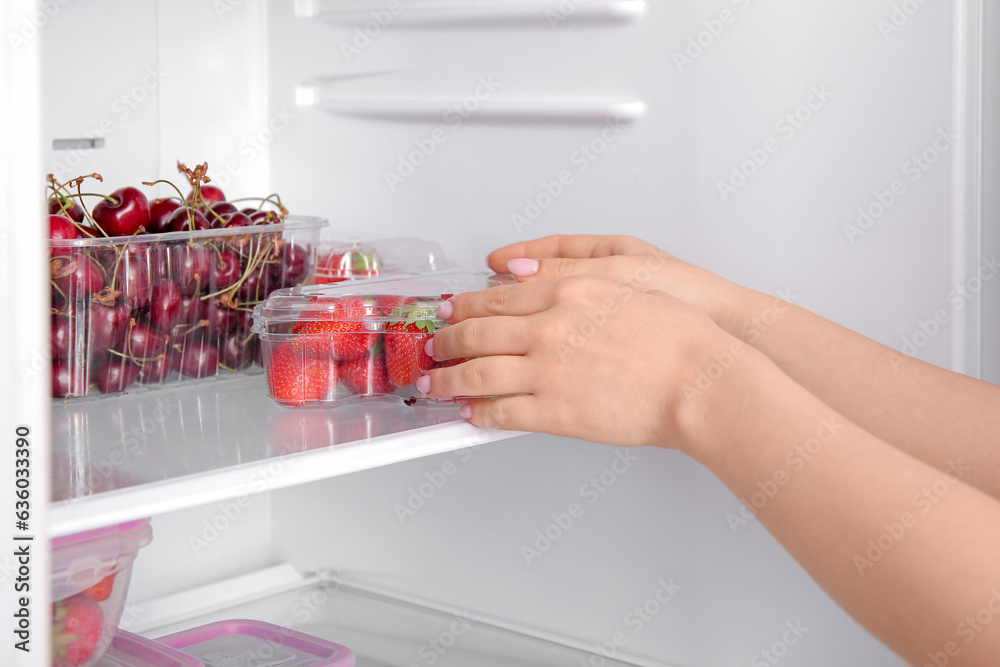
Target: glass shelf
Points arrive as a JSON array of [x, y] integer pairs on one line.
[[385, 631], [120, 458]]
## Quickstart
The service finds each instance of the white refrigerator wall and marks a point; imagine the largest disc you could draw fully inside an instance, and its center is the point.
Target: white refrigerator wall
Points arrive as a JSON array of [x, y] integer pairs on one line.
[[230, 75]]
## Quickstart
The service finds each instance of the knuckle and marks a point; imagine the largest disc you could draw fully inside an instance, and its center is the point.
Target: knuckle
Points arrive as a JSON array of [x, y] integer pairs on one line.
[[561, 266], [468, 335], [497, 299], [473, 377]]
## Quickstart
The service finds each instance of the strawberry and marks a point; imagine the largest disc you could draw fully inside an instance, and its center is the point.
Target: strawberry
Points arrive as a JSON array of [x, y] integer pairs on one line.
[[341, 333], [338, 266], [386, 303], [101, 590], [296, 378], [76, 630], [404, 341], [366, 375]]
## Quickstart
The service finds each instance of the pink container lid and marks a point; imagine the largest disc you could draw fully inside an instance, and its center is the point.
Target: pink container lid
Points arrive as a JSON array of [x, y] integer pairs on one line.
[[128, 650], [241, 643], [97, 533]]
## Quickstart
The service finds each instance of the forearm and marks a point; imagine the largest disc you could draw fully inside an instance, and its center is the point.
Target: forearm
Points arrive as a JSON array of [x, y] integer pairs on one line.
[[945, 419], [906, 549]]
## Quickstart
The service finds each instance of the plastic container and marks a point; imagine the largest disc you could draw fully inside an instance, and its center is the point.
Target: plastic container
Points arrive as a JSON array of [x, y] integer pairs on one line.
[[145, 310], [324, 343], [375, 258], [90, 578], [241, 643], [128, 650]]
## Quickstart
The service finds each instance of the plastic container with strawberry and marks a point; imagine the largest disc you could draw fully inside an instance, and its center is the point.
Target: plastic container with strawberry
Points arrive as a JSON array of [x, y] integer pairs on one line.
[[377, 258], [324, 343], [90, 579], [148, 292]]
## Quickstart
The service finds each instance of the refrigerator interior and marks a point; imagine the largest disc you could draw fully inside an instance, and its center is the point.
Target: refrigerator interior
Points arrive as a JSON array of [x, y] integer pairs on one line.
[[760, 140]]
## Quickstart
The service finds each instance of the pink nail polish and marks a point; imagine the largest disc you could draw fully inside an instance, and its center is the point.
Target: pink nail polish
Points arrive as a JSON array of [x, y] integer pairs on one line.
[[445, 310], [423, 384], [523, 267], [466, 411], [429, 348]]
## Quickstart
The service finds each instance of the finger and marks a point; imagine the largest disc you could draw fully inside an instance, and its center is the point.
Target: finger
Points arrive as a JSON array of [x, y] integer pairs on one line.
[[490, 376], [628, 269], [521, 299], [482, 337], [573, 246], [511, 413]]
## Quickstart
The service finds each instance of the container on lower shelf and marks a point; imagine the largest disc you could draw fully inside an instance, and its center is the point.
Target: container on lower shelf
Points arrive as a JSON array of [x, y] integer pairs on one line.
[[323, 343], [129, 650], [375, 258], [90, 579], [247, 643], [139, 311]]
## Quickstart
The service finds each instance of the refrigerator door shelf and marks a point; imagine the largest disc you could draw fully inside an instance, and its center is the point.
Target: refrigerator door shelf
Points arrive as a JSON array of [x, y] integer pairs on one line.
[[139, 455]]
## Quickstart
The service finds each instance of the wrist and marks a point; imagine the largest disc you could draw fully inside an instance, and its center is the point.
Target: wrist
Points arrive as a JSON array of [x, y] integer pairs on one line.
[[711, 405]]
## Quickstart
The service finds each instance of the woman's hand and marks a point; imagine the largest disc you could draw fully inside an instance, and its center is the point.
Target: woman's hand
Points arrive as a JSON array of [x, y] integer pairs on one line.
[[628, 260], [579, 357]]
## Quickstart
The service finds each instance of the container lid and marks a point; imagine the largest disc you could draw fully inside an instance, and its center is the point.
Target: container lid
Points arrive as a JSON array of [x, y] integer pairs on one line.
[[129, 650], [242, 643], [372, 257], [326, 302], [79, 561]]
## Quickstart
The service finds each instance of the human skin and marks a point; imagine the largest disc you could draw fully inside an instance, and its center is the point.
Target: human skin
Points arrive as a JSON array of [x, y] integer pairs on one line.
[[945, 419], [564, 354]]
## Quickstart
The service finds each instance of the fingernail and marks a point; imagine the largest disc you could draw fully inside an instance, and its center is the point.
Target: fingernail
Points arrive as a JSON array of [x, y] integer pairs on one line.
[[429, 348], [423, 384], [466, 411], [523, 267], [445, 310]]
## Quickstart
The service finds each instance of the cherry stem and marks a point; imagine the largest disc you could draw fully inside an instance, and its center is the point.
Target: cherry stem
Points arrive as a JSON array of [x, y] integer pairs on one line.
[[189, 209], [83, 205]]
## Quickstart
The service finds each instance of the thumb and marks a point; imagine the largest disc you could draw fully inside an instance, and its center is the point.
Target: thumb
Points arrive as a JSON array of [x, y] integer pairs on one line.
[[525, 269]]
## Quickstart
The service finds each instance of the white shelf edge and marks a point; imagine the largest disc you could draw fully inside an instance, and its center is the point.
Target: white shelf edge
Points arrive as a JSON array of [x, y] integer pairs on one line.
[[112, 507], [466, 12]]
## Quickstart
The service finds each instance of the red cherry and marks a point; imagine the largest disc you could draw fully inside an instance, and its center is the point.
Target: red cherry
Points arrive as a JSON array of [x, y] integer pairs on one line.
[[234, 352], [192, 267], [165, 305], [264, 217], [142, 342], [192, 310], [225, 271], [209, 192], [293, 267], [61, 227], [159, 211], [178, 221], [78, 275], [125, 215], [199, 358], [220, 319], [61, 337], [106, 325], [238, 220], [256, 286], [67, 207], [115, 374], [68, 379], [155, 372], [132, 280], [249, 210], [219, 211]]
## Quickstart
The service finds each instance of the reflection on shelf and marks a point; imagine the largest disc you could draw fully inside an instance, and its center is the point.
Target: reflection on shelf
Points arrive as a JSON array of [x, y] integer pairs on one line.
[[127, 457]]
